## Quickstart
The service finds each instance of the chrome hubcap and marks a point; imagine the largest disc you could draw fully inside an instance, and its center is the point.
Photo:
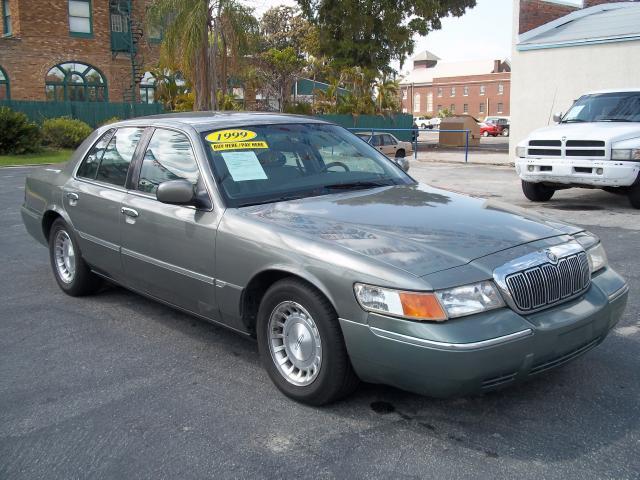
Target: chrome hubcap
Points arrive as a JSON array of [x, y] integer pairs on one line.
[[294, 342], [64, 256]]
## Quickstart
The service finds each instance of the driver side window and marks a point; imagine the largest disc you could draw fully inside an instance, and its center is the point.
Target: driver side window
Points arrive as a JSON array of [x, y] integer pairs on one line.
[[169, 156]]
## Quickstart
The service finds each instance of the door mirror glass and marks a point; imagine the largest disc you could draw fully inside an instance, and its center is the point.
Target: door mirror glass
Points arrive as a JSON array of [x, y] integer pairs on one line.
[[176, 192], [557, 117]]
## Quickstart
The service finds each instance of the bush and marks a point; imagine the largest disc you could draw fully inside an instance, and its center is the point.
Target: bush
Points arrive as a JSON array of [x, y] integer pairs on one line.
[[109, 120], [301, 108], [64, 132], [17, 134]]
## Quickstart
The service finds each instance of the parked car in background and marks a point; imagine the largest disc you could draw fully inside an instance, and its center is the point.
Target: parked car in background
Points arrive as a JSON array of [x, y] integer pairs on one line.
[[390, 146], [434, 123], [488, 129], [422, 122], [292, 231], [596, 144], [503, 122]]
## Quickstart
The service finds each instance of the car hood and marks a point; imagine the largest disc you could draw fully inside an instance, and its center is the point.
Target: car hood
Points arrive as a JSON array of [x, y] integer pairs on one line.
[[416, 228], [606, 131]]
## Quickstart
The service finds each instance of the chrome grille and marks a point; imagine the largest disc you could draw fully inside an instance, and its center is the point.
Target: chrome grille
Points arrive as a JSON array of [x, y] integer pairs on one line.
[[546, 284]]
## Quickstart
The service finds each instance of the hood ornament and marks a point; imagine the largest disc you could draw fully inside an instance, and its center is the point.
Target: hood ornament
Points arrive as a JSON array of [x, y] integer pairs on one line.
[[551, 256]]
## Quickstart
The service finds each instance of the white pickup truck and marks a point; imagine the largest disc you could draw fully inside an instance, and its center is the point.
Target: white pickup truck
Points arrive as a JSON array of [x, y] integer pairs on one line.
[[596, 144]]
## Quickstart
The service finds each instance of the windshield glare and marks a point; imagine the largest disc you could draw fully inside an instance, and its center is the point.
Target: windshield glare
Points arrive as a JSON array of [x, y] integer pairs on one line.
[[269, 163], [605, 107]]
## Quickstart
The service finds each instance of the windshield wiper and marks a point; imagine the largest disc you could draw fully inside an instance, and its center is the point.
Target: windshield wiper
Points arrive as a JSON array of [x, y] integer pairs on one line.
[[573, 120], [349, 185], [615, 120]]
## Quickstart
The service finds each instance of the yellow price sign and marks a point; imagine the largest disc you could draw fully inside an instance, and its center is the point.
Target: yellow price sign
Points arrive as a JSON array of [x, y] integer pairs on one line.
[[216, 147], [231, 135]]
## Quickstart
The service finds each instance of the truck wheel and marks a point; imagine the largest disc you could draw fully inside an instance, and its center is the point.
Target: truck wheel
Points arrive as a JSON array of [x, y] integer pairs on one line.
[[537, 192], [485, 134], [634, 196], [301, 344], [505, 132], [69, 268]]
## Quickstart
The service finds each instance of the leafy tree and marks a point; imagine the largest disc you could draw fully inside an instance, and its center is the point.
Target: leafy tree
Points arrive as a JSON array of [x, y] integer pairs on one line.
[[187, 26], [278, 70], [372, 33], [168, 87], [283, 26]]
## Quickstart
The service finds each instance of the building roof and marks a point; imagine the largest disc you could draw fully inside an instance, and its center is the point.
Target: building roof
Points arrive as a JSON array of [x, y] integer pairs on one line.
[[604, 23], [448, 69], [425, 56]]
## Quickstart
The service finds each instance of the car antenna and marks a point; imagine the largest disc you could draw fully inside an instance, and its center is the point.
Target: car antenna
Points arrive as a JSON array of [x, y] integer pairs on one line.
[[553, 104]]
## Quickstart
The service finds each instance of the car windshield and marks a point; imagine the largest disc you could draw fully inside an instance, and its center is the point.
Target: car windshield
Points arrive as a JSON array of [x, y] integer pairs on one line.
[[270, 163], [605, 107]]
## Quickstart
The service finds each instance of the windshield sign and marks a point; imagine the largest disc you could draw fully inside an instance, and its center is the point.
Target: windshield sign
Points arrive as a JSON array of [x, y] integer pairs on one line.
[[270, 163], [605, 107]]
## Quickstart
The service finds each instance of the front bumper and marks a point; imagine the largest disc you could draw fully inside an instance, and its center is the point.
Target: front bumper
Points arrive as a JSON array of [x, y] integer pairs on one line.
[[486, 351], [567, 171]]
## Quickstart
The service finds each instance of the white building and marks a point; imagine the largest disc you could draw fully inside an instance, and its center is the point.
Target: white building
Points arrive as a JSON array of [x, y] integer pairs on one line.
[[552, 65]]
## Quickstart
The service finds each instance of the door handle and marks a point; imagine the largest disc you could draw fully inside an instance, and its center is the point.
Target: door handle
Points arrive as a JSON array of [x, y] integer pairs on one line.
[[129, 212], [73, 198]]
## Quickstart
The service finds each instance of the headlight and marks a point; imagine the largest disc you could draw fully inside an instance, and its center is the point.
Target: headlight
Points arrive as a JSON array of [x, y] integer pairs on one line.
[[521, 152], [595, 251], [470, 299], [430, 306], [625, 154]]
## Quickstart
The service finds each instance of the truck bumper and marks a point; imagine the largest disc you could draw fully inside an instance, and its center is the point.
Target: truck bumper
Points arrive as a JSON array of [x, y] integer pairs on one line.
[[595, 173], [397, 352]]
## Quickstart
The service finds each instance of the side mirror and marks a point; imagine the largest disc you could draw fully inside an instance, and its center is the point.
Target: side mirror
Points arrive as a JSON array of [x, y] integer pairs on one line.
[[176, 192], [557, 117]]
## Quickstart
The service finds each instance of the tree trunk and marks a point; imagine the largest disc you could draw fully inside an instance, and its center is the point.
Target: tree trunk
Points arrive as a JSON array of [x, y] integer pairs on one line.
[[202, 89], [214, 73]]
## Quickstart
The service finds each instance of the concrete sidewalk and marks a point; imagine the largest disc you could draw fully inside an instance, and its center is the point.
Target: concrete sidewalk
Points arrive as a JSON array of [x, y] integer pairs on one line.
[[457, 156]]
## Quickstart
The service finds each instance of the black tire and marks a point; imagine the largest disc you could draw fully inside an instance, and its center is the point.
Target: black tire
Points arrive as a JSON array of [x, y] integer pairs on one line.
[[485, 134], [84, 281], [400, 153], [634, 196], [505, 132], [335, 378], [537, 192]]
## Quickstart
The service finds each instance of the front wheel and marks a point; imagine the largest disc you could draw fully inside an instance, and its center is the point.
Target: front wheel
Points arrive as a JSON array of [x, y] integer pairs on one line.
[[485, 134], [634, 196], [301, 344], [537, 192], [69, 268]]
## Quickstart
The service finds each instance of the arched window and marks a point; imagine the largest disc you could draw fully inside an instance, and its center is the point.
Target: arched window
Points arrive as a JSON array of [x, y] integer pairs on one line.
[[77, 82], [5, 94], [148, 88]]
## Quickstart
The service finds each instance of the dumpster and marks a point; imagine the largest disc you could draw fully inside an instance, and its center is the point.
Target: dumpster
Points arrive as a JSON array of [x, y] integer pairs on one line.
[[458, 139]]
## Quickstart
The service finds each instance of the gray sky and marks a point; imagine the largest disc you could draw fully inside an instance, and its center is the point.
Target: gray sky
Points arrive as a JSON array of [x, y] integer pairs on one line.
[[484, 32]]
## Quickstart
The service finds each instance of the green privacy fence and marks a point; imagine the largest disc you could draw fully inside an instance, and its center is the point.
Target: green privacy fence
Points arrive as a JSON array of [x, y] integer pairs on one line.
[[93, 113], [377, 122]]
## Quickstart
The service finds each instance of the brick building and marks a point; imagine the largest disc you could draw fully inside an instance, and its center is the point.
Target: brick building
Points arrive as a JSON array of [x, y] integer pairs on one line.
[[78, 50], [478, 88]]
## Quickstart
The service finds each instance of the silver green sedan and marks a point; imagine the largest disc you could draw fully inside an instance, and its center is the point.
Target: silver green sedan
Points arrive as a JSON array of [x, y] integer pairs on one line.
[[295, 232]]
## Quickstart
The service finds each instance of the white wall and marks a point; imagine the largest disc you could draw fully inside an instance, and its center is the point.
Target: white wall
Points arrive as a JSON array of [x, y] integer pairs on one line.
[[547, 81]]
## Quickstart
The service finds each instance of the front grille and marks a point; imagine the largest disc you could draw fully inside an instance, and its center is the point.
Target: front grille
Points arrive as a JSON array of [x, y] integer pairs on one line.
[[550, 152], [585, 153], [545, 143], [547, 284], [585, 143]]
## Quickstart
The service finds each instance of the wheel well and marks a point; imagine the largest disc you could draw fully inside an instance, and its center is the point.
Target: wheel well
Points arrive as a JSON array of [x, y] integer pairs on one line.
[[255, 290], [401, 150], [47, 220]]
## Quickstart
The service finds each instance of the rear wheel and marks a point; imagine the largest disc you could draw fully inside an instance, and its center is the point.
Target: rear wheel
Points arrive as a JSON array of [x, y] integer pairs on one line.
[[70, 270], [301, 344], [537, 192], [505, 132], [400, 153], [634, 196]]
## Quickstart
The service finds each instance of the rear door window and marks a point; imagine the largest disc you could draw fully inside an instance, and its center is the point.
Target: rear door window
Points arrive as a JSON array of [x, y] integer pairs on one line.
[[89, 166], [116, 159], [169, 156]]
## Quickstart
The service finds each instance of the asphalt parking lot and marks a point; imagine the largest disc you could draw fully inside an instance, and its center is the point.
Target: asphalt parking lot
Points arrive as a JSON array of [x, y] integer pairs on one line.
[[117, 386]]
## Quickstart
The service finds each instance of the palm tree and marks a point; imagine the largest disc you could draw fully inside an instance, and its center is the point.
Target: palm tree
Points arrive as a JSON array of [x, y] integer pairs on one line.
[[187, 26], [387, 98]]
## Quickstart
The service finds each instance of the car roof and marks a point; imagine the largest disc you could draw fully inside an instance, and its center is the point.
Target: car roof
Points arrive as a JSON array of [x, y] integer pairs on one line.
[[613, 90], [368, 132], [204, 121]]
